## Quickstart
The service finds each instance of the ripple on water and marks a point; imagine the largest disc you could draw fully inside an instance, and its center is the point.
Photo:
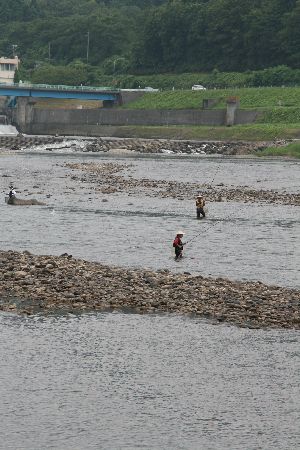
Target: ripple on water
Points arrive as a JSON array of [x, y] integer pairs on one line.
[[132, 381]]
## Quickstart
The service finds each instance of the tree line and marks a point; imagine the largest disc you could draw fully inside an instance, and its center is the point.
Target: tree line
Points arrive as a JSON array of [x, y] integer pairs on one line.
[[115, 37]]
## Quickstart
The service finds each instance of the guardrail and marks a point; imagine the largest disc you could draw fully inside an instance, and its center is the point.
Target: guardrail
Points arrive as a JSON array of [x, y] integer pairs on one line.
[[59, 87]]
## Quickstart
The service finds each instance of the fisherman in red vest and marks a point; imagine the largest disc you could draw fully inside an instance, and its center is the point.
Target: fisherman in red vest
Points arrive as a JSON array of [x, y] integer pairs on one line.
[[178, 245]]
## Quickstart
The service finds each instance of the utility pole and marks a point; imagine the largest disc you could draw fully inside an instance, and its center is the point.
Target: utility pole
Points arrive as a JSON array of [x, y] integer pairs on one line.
[[14, 47], [87, 47], [49, 51]]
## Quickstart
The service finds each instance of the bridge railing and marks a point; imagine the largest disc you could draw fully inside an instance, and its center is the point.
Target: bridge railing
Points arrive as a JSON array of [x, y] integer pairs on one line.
[[60, 87]]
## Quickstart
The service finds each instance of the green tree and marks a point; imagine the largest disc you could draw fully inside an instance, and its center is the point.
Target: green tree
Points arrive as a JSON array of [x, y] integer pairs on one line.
[[11, 10], [67, 75], [290, 35]]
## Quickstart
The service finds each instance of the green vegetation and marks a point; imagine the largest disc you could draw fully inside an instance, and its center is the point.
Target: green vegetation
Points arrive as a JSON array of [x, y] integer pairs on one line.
[[280, 99], [78, 72], [232, 47], [291, 150], [216, 39], [280, 115]]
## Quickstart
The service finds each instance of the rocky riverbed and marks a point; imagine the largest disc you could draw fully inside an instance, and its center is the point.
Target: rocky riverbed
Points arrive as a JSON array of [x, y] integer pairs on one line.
[[31, 284], [109, 178]]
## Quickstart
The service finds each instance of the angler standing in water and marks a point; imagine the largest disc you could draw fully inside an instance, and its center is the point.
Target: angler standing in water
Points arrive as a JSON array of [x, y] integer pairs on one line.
[[178, 245], [12, 192], [200, 203]]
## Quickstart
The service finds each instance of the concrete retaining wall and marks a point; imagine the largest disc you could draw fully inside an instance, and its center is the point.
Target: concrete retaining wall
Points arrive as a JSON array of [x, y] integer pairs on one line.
[[242, 117], [90, 121], [130, 117]]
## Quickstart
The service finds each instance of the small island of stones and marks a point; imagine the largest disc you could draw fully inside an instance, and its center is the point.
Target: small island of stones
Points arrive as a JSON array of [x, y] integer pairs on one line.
[[30, 284]]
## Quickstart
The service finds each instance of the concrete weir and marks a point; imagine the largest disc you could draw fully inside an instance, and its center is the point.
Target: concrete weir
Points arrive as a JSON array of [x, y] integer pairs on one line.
[[84, 122], [15, 142]]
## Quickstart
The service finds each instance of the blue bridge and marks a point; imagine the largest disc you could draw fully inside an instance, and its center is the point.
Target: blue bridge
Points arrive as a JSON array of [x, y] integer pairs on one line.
[[60, 91]]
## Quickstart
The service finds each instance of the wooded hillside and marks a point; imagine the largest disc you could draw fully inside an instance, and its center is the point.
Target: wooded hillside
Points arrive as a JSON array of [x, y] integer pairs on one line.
[[152, 36]]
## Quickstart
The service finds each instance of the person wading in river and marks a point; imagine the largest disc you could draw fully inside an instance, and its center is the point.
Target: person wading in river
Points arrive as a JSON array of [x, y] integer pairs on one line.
[[12, 192], [200, 203], [178, 245]]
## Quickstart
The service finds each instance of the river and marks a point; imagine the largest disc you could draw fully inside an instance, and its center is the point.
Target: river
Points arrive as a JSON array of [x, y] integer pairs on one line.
[[129, 381]]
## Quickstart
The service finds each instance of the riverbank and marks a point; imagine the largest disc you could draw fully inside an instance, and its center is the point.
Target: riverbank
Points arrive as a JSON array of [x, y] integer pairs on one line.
[[291, 150], [36, 284]]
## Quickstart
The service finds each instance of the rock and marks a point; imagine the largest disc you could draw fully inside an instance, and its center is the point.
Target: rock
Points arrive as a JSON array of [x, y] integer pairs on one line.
[[20, 274]]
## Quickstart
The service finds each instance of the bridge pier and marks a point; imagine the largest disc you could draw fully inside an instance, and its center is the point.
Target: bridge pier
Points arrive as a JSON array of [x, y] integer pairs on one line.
[[22, 115]]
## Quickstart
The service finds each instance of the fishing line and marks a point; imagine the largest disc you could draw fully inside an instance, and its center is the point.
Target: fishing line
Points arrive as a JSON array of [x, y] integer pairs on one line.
[[214, 175], [203, 231], [211, 226]]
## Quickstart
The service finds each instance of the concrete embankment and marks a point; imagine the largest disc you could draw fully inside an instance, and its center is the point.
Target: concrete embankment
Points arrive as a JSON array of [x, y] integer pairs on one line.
[[188, 147], [20, 141], [31, 284], [183, 146]]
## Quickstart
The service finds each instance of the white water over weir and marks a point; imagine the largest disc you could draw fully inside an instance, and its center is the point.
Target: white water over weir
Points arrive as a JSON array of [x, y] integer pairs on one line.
[[8, 130]]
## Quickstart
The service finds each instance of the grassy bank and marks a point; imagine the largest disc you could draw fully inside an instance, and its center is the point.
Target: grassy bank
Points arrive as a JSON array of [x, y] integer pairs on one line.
[[253, 132], [279, 116], [291, 150], [250, 98]]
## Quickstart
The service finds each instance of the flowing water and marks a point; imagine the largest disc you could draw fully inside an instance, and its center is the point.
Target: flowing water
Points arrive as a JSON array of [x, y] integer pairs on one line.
[[117, 380], [8, 130]]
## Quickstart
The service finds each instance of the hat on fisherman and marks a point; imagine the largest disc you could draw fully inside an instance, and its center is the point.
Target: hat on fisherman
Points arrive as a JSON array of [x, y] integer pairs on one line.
[[180, 232]]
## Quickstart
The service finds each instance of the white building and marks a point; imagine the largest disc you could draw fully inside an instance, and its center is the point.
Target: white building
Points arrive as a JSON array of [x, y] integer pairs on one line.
[[8, 67]]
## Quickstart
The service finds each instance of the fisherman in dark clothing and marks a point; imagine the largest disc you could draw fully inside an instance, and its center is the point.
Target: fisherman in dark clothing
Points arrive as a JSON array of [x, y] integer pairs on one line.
[[178, 245], [200, 203]]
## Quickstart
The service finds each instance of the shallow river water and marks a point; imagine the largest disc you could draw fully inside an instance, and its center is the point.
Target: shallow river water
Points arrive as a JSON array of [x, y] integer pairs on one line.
[[117, 381], [127, 381], [238, 240]]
